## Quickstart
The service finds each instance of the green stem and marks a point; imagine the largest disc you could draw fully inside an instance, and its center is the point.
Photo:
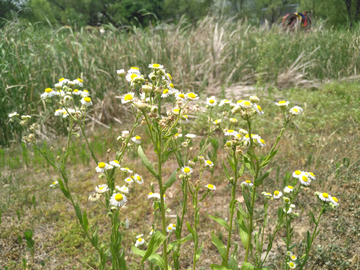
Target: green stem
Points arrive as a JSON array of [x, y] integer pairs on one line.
[[195, 225], [87, 142]]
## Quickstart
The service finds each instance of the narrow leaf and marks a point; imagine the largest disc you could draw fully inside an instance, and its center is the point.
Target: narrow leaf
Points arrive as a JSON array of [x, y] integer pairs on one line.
[[155, 242], [219, 245], [146, 162], [220, 221], [171, 181], [85, 221], [260, 180]]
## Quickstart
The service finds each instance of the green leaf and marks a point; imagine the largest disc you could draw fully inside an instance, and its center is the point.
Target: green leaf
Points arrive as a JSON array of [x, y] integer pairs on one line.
[[268, 158], [260, 180], [312, 217], [226, 172], [220, 221], [181, 241], [154, 258], [165, 155], [232, 164], [242, 212], [248, 266], [85, 221], [193, 232], [94, 238], [241, 171], [198, 252], [179, 159], [78, 213], [155, 242], [243, 231], [145, 161], [63, 189], [220, 246], [308, 240], [219, 267], [232, 264], [171, 181]]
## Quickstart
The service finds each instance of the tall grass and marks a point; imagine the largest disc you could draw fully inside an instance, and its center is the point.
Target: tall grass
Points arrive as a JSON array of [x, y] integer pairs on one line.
[[214, 53]]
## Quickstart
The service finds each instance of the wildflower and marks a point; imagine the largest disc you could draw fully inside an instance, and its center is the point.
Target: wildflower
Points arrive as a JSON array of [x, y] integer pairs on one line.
[[201, 158], [85, 93], [224, 102], [229, 143], [267, 194], [325, 197], [170, 228], [102, 188], [177, 135], [139, 242], [292, 205], [156, 66], [115, 163], [293, 257], [154, 195], [170, 85], [126, 170], [123, 189], [11, 115], [129, 97], [289, 253], [191, 96], [138, 179], [311, 175], [233, 120], [86, 101], [297, 174], [102, 167], [211, 187], [121, 72], [77, 92], [211, 101], [230, 132], [152, 232], [139, 235], [304, 180], [288, 189], [209, 163], [118, 199], [217, 122], [187, 170], [291, 264], [184, 144], [180, 96], [134, 70], [184, 119], [125, 133], [190, 136], [129, 180], [286, 200], [247, 183], [136, 139], [277, 194], [166, 93], [246, 104], [261, 142], [25, 117], [282, 104], [334, 201], [94, 197], [254, 99], [288, 211], [191, 163], [258, 109], [54, 184], [243, 131], [132, 77], [296, 110], [236, 109]]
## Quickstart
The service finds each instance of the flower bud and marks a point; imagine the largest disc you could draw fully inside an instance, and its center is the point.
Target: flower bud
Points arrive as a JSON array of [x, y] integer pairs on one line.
[[158, 90], [121, 73], [146, 88], [236, 109], [254, 99], [229, 143], [141, 106], [191, 163]]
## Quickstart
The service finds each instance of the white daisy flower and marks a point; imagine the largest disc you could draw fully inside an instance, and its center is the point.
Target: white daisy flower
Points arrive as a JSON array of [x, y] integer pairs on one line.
[[134, 70], [258, 109], [282, 104], [131, 77], [297, 174], [233, 120], [129, 180], [184, 119], [230, 132], [125, 133], [211, 187], [286, 200], [170, 85], [101, 167], [293, 257], [139, 235], [247, 183], [187, 170], [156, 66], [209, 163], [261, 142], [126, 169], [288, 211], [211, 101], [291, 264], [224, 102], [243, 131], [115, 163], [129, 97], [166, 93], [289, 253], [201, 158], [154, 195], [152, 232], [136, 139], [217, 122], [120, 72], [296, 110], [54, 184], [78, 82], [288, 189], [118, 200], [325, 197], [25, 117], [102, 188], [292, 205], [254, 99], [334, 201], [238, 137], [311, 175], [170, 228], [177, 135], [246, 104], [86, 101], [277, 194], [191, 96], [138, 179], [58, 85], [266, 194], [190, 136], [65, 113], [11, 115], [304, 180], [94, 197], [123, 189], [180, 96]]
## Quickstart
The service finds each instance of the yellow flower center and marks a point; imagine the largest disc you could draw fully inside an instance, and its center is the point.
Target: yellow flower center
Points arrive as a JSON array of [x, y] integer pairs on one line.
[[55, 183], [291, 187], [177, 134], [171, 85], [293, 257], [191, 95], [101, 188], [262, 141], [116, 161], [210, 186], [230, 131], [276, 192], [287, 200], [138, 137], [201, 157], [186, 169], [166, 91], [119, 197], [169, 228], [174, 225], [304, 178], [209, 162], [80, 80], [291, 264], [312, 174], [135, 68], [128, 97], [86, 91], [140, 239], [247, 103], [259, 108], [156, 65], [211, 101], [248, 181], [184, 116], [240, 100], [282, 102], [76, 90], [297, 172], [335, 199], [181, 95], [325, 195], [295, 110], [87, 99], [132, 76], [151, 193], [60, 80], [169, 76], [101, 165], [138, 178], [176, 110], [48, 90]]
